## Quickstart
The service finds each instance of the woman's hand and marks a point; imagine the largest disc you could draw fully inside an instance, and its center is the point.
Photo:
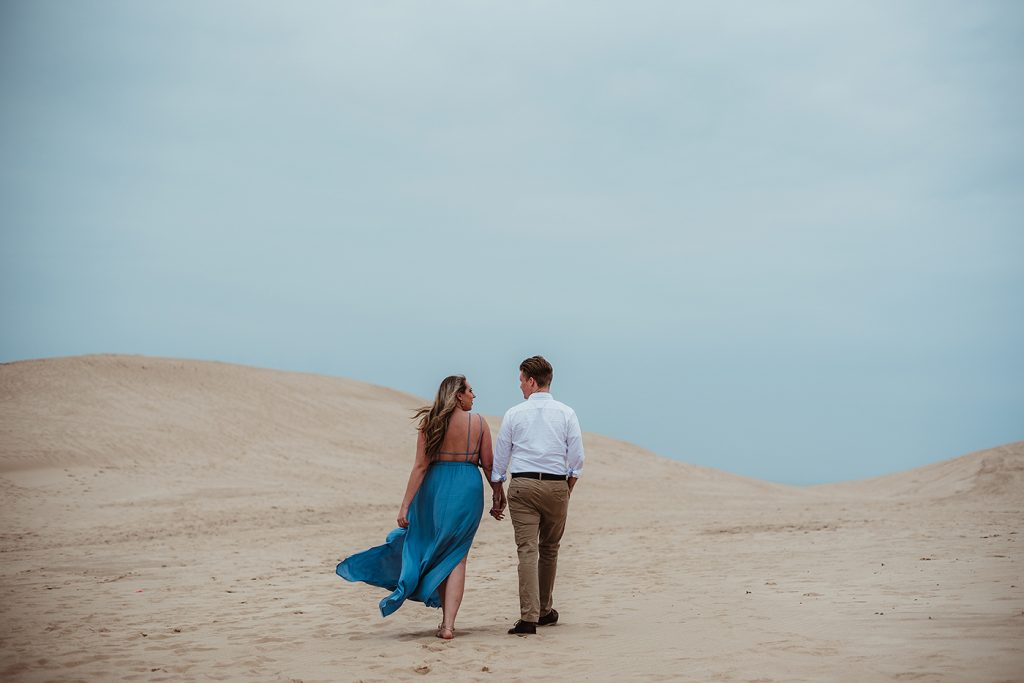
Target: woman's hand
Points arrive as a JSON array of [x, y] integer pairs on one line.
[[498, 504], [403, 517]]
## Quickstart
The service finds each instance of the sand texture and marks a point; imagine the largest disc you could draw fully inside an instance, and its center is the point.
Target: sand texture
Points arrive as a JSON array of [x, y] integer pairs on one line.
[[168, 520]]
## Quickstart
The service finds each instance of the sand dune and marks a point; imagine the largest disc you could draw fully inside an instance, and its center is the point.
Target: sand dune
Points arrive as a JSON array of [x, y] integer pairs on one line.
[[180, 520], [995, 472]]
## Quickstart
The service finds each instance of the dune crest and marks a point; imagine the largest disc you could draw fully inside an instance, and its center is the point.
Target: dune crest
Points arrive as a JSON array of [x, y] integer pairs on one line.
[[138, 410], [991, 472]]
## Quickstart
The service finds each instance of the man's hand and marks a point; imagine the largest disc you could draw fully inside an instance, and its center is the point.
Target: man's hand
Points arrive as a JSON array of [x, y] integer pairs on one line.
[[572, 482]]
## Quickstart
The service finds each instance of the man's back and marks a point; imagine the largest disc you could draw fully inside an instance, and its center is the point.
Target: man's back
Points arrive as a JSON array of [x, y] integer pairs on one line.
[[540, 435]]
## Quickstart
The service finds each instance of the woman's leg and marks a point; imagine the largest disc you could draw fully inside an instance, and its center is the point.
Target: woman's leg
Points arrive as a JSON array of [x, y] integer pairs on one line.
[[441, 592], [452, 597]]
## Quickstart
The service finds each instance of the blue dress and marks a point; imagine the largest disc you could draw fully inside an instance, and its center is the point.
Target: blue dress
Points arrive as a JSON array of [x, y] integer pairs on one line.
[[443, 518]]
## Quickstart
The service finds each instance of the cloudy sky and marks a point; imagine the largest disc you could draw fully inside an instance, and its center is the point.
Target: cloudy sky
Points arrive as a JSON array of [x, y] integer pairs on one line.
[[783, 239]]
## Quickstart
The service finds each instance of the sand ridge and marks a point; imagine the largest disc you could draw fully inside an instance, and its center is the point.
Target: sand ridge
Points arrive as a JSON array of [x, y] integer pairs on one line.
[[180, 520]]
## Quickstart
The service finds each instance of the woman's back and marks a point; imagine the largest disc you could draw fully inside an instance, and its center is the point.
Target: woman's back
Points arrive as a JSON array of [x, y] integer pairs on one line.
[[462, 439]]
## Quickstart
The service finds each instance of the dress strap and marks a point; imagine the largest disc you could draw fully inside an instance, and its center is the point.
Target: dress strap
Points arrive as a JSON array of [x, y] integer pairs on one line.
[[469, 434]]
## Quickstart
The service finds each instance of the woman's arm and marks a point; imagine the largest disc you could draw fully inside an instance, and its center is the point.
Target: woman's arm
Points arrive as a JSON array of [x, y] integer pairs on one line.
[[419, 469], [486, 451], [498, 501]]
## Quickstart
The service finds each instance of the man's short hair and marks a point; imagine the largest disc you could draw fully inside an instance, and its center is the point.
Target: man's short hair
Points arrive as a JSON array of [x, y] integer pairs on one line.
[[539, 369]]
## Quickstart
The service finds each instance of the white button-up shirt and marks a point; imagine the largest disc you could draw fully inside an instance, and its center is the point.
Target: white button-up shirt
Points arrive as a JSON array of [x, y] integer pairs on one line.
[[538, 435]]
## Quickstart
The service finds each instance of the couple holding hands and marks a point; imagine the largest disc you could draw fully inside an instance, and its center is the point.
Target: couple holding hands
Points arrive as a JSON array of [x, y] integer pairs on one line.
[[539, 445]]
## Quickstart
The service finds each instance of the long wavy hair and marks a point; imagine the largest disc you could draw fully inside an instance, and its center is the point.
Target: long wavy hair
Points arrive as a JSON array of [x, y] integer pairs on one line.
[[434, 418]]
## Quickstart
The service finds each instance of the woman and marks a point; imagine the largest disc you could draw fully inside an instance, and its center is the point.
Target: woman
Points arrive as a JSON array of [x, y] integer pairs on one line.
[[425, 558]]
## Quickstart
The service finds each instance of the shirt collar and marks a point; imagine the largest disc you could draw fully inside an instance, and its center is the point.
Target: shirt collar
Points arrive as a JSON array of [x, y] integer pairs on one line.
[[540, 395]]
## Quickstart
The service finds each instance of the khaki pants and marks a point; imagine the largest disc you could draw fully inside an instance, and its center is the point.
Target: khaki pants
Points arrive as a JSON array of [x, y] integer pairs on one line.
[[538, 510]]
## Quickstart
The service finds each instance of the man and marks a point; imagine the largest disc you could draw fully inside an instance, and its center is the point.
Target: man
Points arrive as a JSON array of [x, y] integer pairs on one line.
[[541, 446]]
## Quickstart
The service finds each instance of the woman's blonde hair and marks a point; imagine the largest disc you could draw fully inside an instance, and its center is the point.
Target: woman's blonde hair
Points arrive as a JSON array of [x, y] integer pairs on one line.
[[434, 418]]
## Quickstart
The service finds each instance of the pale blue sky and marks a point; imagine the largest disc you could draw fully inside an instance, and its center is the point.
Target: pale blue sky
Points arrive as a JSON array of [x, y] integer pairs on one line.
[[780, 239]]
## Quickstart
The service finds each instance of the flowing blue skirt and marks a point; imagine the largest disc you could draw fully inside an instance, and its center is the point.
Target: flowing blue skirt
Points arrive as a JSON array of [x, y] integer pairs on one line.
[[443, 518]]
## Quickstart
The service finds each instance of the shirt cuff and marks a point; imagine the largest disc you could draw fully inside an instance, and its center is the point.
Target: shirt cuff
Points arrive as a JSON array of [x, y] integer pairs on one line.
[[501, 478], [575, 473]]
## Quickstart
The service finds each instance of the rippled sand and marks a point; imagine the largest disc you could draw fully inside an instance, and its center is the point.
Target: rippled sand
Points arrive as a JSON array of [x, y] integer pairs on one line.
[[180, 520]]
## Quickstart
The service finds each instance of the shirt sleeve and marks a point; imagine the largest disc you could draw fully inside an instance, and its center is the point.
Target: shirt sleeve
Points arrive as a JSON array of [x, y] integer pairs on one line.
[[574, 447], [502, 450]]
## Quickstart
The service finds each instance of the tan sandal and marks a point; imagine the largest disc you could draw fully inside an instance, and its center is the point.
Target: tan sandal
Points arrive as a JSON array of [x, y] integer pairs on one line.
[[441, 629]]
